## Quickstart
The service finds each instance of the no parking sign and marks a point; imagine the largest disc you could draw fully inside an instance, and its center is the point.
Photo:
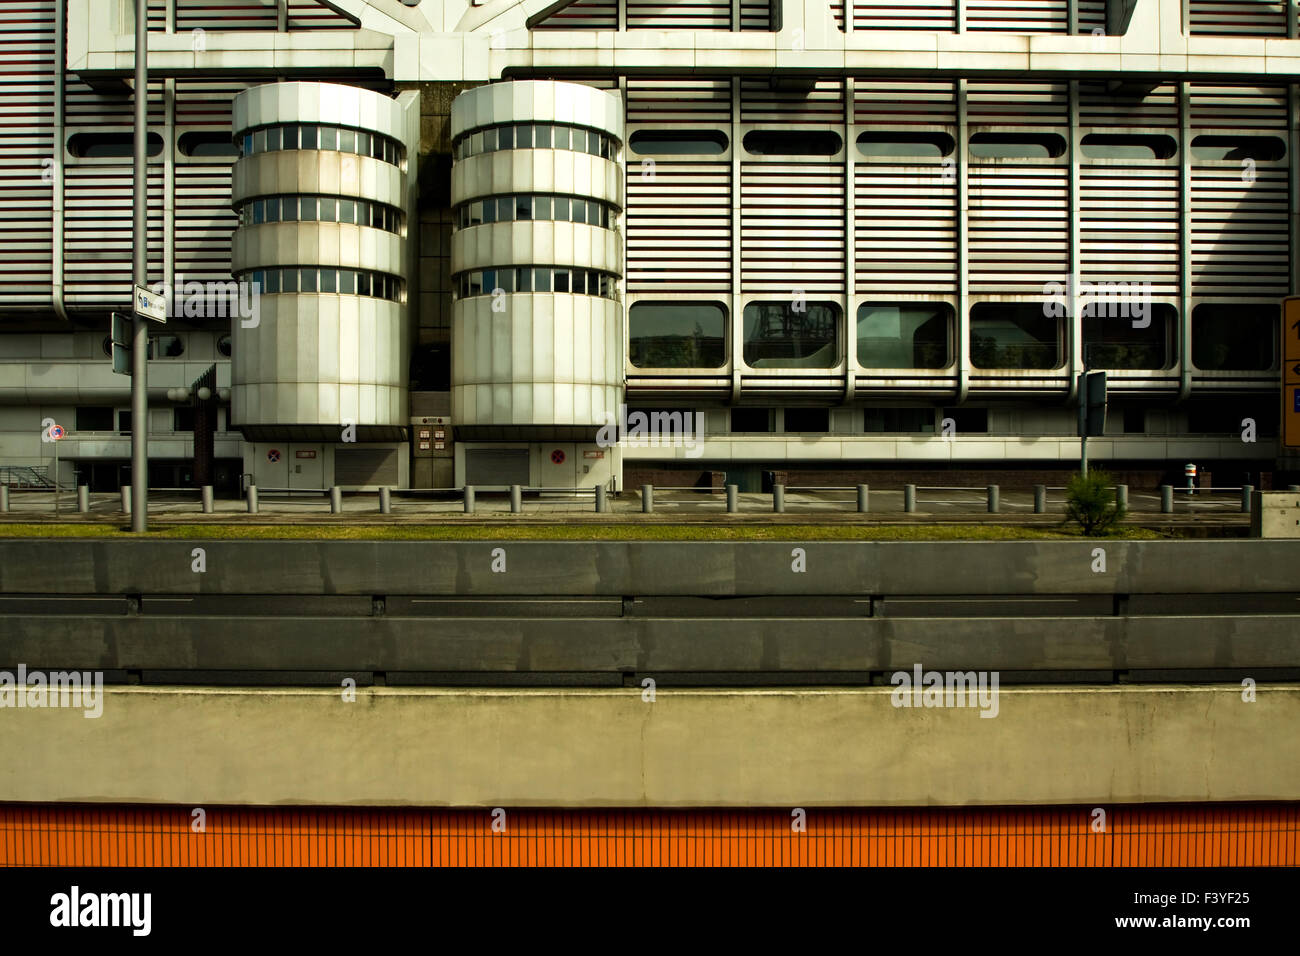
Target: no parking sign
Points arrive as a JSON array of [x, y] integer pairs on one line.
[[273, 455]]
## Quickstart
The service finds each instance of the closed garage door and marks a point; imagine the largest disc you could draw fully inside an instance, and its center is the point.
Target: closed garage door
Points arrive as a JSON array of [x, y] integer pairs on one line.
[[496, 466], [365, 466]]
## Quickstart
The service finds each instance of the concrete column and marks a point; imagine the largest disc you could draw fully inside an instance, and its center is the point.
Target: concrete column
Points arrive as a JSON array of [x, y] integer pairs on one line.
[[1166, 499], [863, 491], [778, 499], [732, 503], [1246, 492], [4, 499], [909, 498], [336, 500], [995, 499], [516, 499], [126, 499], [83, 499], [647, 499], [385, 500], [1040, 499], [469, 499], [1121, 496], [602, 501], [205, 495]]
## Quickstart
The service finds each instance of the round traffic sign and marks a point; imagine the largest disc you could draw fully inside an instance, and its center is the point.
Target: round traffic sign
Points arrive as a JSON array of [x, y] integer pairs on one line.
[[557, 457], [56, 432], [273, 455]]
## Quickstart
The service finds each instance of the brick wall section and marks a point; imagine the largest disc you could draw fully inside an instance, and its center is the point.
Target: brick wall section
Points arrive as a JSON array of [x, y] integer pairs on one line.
[[634, 478]]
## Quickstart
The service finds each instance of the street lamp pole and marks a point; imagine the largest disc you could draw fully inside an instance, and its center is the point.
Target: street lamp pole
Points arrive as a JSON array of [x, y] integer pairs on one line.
[[140, 276]]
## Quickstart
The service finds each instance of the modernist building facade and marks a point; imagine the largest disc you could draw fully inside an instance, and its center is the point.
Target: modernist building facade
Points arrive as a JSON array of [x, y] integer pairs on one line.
[[432, 243]]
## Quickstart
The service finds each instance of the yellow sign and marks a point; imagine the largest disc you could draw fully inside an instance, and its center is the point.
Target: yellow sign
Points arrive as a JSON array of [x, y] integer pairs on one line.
[[1291, 372]]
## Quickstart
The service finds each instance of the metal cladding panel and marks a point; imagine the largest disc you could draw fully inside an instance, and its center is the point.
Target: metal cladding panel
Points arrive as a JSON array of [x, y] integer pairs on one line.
[[678, 14], [905, 228], [679, 227], [1019, 226], [792, 227], [1237, 17], [679, 101], [331, 103], [538, 101], [583, 15]]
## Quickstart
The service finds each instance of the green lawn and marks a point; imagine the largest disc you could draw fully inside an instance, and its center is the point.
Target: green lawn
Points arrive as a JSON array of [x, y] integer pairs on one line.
[[571, 532]]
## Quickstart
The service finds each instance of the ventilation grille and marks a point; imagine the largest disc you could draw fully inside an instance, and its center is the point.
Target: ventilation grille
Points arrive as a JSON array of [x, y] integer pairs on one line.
[[679, 228], [792, 227], [225, 15], [1237, 18], [678, 101], [679, 15], [755, 15], [1129, 229], [583, 15], [904, 103], [1092, 15], [1239, 107], [761, 104], [905, 233], [933, 15], [97, 233], [1018, 104], [1239, 231], [1018, 16], [1019, 235], [1158, 109]]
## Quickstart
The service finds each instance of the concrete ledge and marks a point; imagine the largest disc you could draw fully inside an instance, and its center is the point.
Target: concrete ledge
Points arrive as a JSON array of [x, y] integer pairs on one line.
[[689, 748]]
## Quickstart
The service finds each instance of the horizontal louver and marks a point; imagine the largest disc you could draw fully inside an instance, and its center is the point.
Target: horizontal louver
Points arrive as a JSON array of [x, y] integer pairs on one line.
[[225, 15], [1238, 107], [679, 227], [755, 15], [1099, 107], [679, 14], [1092, 15], [904, 102], [824, 103], [311, 15], [204, 220], [905, 234], [792, 227], [97, 233], [1018, 104], [1018, 16], [1128, 230], [678, 101], [1019, 232], [1237, 18], [583, 15], [1239, 231], [939, 15]]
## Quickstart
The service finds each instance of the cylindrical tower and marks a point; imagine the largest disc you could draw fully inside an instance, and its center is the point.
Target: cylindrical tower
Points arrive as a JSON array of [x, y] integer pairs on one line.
[[321, 189], [536, 260]]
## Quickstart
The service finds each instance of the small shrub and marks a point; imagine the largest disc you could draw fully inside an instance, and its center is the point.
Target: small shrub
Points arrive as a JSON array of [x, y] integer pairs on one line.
[[1090, 503]]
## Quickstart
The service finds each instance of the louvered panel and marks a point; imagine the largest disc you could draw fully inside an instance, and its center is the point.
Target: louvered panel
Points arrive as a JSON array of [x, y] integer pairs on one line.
[[679, 228], [1018, 104], [1237, 18], [1017, 16], [225, 15], [156, 17], [935, 15], [1239, 231], [311, 15], [1129, 226], [1238, 107], [824, 103], [97, 233], [27, 151], [905, 229], [1157, 109], [203, 223], [837, 11], [755, 15], [206, 103], [1019, 234], [86, 109], [904, 102], [583, 15], [792, 227], [678, 100], [1092, 15], [679, 14]]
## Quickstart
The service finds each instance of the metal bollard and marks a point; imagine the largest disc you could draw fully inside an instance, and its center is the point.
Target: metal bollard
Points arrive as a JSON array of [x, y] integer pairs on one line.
[[863, 491], [602, 500], [252, 499], [469, 499], [385, 500], [1121, 496], [516, 499], [1166, 499], [1246, 492], [1040, 499], [336, 500], [83, 499], [778, 499], [647, 499], [126, 499], [205, 495], [909, 498], [995, 499], [4, 499]]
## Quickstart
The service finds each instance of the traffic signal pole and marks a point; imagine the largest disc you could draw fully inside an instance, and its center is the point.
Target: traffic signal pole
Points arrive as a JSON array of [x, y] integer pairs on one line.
[[140, 275]]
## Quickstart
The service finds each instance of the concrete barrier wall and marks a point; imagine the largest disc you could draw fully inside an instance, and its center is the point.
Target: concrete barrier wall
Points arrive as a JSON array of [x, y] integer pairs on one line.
[[688, 748]]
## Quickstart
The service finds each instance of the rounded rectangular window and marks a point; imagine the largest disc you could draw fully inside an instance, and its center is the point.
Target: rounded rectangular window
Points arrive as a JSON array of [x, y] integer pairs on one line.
[[904, 334], [1233, 337], [1124, 146], [791, 334], [1017, 145], [771, 142], [1237, 148], [1014, 336], [1128, 338], [677, 335], [905, 145], [667, 142]]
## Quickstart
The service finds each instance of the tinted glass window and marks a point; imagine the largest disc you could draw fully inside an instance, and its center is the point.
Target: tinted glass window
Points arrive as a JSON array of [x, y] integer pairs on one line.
[[677, 335]]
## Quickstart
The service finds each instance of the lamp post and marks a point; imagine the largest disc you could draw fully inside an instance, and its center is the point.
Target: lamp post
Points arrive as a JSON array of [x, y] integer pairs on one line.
[[140, 277]]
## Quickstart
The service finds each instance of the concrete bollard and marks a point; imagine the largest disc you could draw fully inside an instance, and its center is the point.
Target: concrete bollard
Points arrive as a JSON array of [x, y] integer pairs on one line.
[[516, 499], [252, 499], [994, 499], [778, 499], [1166, 499], [1246, 492], [83, 499], [909, 498], [205, 496], [1040, 499], [385, 500], [126, 499], [336, 500], [1121, 496], [4, 499], [863, 491], [732, 503], [469, 499], [647, 499], [602, 500]]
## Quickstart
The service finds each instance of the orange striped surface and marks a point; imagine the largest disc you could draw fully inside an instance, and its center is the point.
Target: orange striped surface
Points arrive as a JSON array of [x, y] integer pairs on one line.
[[1174, 835]]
